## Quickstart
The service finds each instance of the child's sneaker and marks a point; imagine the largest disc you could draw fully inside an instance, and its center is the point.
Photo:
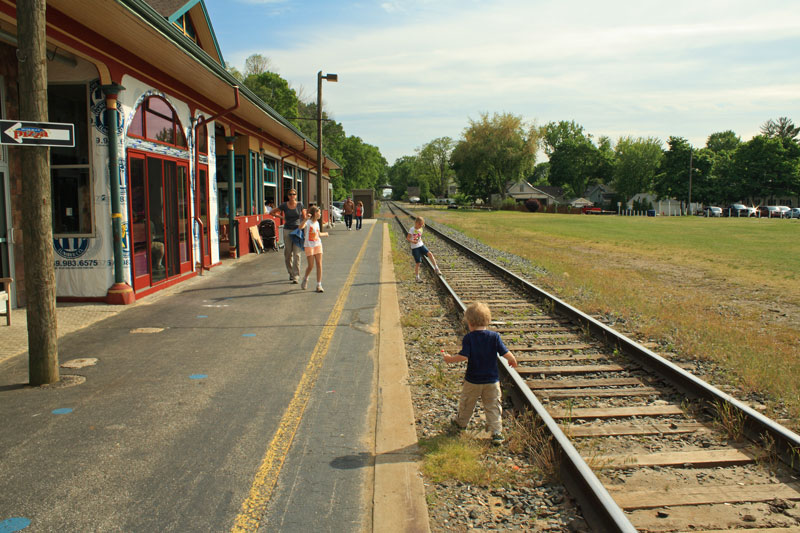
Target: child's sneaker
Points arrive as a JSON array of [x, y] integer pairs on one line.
[[319, 288], [304, 284], [438, 272], [455, 427], [419, 279], [498, 439]]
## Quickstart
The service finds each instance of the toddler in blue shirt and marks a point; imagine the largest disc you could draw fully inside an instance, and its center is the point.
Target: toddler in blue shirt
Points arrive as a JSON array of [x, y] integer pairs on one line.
[[480, 348]]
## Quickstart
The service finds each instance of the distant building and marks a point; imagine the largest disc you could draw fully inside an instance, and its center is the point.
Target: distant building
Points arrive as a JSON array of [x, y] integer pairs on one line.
[[522, 190]]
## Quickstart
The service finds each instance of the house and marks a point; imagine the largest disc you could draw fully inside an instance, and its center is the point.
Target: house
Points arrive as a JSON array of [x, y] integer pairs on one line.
[[600, 195], [522, 191], [173, 162]]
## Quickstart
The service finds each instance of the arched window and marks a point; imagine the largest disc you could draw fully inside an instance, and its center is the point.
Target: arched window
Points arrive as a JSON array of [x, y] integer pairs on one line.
[[156, 121]]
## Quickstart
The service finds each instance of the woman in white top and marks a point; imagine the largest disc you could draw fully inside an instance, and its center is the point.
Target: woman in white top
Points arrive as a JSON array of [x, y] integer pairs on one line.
[[313, 246]]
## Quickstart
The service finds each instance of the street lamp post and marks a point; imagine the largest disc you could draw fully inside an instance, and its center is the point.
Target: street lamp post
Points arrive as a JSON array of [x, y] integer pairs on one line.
[[691, 154], [320, 77]]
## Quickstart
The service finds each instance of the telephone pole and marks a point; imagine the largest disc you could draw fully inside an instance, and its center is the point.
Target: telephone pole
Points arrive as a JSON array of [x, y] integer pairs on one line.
[[37, 224]]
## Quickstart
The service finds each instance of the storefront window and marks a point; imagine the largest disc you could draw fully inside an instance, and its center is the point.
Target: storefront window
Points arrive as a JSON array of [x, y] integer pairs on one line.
[[156, 121], [69, 166]]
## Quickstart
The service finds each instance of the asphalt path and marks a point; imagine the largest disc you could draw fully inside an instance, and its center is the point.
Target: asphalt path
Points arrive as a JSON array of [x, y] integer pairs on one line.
[[194, 415]]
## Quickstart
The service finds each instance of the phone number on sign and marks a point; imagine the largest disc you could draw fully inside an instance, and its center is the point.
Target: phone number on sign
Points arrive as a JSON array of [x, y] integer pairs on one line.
[[77, 263]]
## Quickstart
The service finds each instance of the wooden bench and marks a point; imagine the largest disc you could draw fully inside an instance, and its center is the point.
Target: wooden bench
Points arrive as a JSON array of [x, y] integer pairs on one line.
[[5, 296]]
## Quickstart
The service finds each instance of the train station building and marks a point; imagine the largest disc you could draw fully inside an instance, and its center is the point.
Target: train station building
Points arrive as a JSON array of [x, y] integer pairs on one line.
[[193, 157]]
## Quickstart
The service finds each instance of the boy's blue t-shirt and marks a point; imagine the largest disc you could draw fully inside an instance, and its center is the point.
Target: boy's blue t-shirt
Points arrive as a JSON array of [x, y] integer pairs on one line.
[[481, 347]]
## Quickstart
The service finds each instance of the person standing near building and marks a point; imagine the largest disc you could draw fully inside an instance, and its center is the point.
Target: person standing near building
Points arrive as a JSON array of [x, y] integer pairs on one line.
[[359, 214], [348, 209], [292, 213]]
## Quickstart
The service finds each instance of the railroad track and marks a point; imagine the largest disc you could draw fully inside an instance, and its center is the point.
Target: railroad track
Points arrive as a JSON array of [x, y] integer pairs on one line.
[[644, 445]]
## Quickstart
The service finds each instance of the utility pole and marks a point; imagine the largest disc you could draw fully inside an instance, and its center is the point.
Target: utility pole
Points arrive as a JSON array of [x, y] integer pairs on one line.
[[691, 154], [37, 224]]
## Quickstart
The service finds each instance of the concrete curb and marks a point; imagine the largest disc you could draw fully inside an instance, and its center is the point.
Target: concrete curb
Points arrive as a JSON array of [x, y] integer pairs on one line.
[[399, 495]]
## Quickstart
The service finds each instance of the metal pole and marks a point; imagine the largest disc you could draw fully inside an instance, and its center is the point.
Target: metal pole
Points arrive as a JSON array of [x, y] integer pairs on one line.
[[231, 195], [691, 153], [319, 139]]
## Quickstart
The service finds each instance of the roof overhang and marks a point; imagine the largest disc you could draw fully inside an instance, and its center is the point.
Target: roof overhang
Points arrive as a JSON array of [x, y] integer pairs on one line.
[[121, 36]]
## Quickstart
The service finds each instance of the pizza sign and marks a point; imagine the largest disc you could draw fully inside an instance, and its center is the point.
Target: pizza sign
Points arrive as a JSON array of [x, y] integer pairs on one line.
[[16, 132]]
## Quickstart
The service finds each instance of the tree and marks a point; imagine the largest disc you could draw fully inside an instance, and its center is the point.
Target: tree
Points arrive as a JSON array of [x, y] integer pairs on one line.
[[767, 167], [573, 164], [233, 71], [493, 152], [274, 91], [637, 161], [555, 133], [782, 128], [723, 141], [256, 64], [434, 158], [37, 225], [402, 175], [722, 147], [363, 167]]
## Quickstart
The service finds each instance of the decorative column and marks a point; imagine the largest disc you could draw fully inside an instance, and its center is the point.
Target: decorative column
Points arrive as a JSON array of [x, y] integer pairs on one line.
[[120, 292], [232, 237]]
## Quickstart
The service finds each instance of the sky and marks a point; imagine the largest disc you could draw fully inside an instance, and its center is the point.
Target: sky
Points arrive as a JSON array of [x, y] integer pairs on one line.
[[411, 71]]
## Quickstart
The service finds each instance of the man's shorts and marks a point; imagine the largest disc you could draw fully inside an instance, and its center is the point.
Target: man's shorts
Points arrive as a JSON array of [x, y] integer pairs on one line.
[[419, 253], [313, 250]]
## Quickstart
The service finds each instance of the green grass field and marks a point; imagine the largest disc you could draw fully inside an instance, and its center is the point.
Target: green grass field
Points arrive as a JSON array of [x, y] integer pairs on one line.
[[725, 290]]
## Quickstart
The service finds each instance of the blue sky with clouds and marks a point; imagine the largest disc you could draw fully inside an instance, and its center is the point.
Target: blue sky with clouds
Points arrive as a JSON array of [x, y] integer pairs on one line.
[[414, 70]]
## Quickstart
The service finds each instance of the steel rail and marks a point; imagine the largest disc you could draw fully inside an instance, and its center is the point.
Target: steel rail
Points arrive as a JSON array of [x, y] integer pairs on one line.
[[599, 509], [756, 425]]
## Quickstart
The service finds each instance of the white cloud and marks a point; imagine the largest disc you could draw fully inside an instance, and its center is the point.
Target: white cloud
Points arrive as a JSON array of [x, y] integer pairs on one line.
[[621, 66]]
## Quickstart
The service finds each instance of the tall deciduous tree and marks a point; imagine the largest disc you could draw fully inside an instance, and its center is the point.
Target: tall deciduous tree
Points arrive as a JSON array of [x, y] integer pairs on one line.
[[256, 64], [493, 152], [767, 167], [573, 165], [554, 133], [637, 162], [404, 173], [274, 91], [434, 158]]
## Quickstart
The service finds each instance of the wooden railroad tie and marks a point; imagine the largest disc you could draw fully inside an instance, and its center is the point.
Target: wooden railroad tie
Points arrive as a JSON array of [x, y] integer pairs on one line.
[[706, 495]]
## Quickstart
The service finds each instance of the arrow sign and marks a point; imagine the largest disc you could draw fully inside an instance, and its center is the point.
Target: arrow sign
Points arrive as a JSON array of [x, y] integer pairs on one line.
[[19, 133]]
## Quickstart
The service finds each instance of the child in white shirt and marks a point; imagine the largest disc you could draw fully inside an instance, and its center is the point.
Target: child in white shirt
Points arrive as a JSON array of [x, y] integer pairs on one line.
[[313, 246]]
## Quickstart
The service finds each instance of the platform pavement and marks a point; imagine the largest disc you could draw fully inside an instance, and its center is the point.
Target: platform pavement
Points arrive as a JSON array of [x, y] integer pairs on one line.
[[393, 482]]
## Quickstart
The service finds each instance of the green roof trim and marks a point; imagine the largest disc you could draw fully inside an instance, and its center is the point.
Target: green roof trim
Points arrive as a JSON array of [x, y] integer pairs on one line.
[[189, 5], [170, 32]]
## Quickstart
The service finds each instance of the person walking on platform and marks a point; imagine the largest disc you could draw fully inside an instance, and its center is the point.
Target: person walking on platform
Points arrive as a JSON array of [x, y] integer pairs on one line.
[[480, 348], [359, 214], [292, 213], [313, 246], [348, 209], [418, 248]]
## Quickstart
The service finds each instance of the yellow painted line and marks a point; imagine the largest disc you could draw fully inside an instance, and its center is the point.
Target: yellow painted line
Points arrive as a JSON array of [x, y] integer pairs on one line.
[[253, 508]]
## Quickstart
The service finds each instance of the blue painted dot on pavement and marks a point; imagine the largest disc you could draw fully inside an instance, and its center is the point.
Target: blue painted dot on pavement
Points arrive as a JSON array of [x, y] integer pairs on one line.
[[202, 316], [248, 335], [62, 411], [14, 524], [198, 376]]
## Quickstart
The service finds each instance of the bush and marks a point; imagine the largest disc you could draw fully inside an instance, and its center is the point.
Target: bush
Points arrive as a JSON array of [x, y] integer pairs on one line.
[[532, 205]]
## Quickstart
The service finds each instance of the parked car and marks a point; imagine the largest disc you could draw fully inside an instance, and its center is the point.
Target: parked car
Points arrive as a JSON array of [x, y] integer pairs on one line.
[[784, 211], [339, 205], [770, 211], [413, 199], [712, 211], [336, 214], [739, 210], [794, 213]]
